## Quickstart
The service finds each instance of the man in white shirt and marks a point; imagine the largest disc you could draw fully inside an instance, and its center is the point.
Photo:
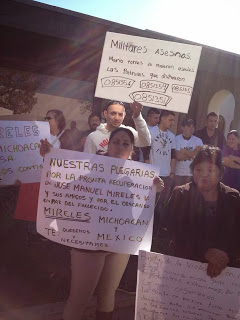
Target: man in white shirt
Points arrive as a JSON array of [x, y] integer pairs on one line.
[[187, 146], [153, 116], [114, 113], [162, 154], [163, 145]]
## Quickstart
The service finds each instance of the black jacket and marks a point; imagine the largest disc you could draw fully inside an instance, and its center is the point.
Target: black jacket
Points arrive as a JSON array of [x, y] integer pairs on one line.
[[186, 220], [218, 140]]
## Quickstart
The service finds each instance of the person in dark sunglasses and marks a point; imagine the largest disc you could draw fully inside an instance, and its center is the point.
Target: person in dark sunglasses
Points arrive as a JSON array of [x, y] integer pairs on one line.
[[59, 138], [114, 114]]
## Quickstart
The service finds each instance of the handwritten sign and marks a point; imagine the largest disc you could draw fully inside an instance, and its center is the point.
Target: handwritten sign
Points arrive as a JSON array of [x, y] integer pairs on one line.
[[156, 73], [19, 150], [95, 202], [174, 288]]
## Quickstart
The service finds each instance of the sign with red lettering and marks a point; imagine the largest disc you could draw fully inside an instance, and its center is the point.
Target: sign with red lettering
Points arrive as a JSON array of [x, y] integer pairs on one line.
[[19, 150], [96, 202], [156, 73]]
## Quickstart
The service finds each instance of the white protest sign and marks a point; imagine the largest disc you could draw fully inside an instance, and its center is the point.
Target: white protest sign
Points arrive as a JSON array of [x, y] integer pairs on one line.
[[96, 202], [173, 288], [19, 150], [156, 73]]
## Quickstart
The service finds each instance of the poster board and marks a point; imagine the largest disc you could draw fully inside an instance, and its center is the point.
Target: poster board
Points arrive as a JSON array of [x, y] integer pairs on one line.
[[27, 202], [96, 202], [156, 73], [174, 288], [19, 150]]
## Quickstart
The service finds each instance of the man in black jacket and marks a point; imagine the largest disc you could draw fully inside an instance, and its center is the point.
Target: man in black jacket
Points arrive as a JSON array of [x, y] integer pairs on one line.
[[210, 135]]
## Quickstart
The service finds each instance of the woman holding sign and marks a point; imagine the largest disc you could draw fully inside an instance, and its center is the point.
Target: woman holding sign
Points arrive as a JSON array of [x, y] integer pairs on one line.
[[100, 271], [204, 215], [59, 138]]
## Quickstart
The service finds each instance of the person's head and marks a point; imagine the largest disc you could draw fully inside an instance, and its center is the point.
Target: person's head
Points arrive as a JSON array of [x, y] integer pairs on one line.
[[73, 124], [207, 168], [56, 120], [187, 127], [153, 116], [212, 121], [121, 143], [114, 114], [233, 139], [94, 121], [167, 119]]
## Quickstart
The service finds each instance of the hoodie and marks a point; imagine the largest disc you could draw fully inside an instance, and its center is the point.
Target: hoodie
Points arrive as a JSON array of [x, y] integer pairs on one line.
[[98, 140]]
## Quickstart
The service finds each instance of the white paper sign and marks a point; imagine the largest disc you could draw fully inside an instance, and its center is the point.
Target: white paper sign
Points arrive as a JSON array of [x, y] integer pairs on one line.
[[95, 202], [156, 73], [19, 150], [173, 288]]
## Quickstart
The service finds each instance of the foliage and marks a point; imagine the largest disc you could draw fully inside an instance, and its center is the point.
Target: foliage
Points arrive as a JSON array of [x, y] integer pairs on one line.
[[85, 106], [17, 90]]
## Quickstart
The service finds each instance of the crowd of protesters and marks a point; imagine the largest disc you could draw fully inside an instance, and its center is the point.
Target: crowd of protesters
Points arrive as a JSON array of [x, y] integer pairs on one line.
[[199, 205]]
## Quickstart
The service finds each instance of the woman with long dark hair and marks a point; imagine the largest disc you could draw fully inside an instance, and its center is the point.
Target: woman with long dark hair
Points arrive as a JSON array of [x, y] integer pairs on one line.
[[100, 271]]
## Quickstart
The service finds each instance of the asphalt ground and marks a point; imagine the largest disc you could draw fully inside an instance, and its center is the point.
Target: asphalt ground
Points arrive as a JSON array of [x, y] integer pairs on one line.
[[35, 279]]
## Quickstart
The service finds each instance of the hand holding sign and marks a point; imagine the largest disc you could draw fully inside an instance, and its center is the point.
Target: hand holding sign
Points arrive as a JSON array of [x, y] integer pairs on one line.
[[19, 147], [218, 261], [136, 108], [45, 147]]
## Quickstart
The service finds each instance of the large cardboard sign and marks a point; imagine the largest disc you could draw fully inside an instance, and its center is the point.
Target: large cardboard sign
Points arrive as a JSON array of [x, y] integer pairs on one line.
[[173, 288], [19, 150], [96, 202], [156, 73]]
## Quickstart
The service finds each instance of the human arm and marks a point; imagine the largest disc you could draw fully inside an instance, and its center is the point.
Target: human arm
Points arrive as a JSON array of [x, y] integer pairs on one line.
[[172, 164], [217, 261], [141, 134], [230, 162], [45, 147], [182, 154], [158, 182], [235, 159]]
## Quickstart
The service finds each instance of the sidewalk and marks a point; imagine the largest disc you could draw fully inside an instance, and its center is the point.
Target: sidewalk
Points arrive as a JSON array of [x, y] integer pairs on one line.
[[124, 310], [35, 281]]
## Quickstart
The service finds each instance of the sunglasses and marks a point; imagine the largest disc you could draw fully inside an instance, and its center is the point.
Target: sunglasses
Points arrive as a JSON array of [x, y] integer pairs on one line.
[[115, 102], [48, 118]]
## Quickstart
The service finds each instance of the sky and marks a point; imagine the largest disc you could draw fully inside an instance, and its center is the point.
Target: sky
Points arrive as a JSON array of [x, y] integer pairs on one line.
[[209, 22]]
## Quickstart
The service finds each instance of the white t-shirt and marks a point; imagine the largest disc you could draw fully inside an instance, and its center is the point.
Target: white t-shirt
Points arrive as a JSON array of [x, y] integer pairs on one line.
[[182, 166], [54, 141], [161, 147]]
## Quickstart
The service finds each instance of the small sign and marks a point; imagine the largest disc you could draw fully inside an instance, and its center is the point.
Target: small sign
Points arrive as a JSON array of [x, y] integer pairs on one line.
[[19, 150]]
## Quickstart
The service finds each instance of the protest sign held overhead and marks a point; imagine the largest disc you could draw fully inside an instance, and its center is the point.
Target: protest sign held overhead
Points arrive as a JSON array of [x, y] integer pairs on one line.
[[96, 202], [19, 150], [174, 288], [156, 73]]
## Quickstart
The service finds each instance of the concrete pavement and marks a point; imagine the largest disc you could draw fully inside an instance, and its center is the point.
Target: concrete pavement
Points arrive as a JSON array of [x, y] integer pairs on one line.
[[124, 310]]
